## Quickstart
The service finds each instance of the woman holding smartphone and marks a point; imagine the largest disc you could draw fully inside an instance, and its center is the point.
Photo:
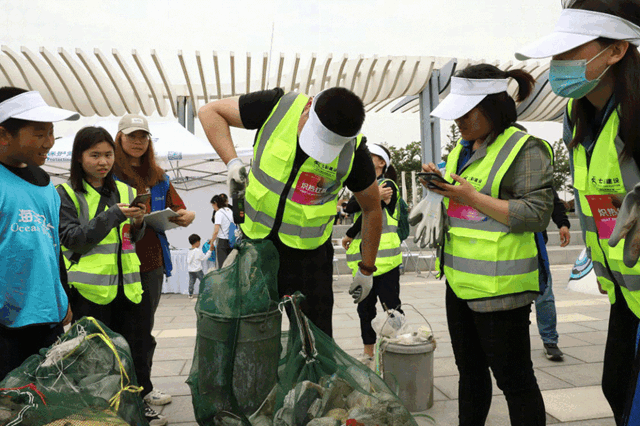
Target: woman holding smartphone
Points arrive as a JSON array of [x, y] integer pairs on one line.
[[98, 230], [497, 197]]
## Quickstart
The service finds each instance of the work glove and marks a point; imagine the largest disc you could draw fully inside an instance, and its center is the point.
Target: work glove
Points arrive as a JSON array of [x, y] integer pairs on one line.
[[236, 175], [627, 227], [361, 286], [428, 217]]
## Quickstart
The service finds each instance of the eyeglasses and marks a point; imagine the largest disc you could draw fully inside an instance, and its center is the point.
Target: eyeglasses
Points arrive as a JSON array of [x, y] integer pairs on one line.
[[144, 138]]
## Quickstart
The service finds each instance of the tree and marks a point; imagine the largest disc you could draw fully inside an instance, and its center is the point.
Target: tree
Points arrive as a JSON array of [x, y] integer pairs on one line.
[[453, 136], [561, 168], [406, 159]]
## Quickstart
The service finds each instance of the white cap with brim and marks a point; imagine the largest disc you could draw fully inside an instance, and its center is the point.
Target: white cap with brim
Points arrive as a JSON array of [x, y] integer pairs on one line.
[[317, 141], [577, 27], [376, 149], [30, 106], [466, 94]]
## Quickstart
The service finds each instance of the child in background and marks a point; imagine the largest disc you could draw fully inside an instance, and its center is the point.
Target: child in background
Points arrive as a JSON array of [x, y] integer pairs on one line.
[[194, 262]]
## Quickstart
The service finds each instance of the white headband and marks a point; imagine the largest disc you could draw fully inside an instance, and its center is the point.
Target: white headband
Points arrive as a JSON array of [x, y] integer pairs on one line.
[[466, 94], [376, 149], [577, 27], [587, 22], [31, 107], [319, 142], [472, 86]]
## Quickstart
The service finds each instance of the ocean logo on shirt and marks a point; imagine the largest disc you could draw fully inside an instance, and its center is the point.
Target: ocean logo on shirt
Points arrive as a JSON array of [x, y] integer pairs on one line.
[[30, 221]]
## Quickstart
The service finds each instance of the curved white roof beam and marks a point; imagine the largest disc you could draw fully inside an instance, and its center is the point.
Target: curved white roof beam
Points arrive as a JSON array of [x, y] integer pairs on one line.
[[170, 93], [70, 85], [103, 84], [46, 77], [154, 90], [87, 84], [127, 98]]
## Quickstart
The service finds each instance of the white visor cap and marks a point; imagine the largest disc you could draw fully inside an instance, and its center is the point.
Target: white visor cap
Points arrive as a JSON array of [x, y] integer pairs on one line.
[[466, 94], [376, 149], [577, 27], [30, 106], [317, 141]]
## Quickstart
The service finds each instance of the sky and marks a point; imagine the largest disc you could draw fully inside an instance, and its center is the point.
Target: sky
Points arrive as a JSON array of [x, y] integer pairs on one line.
[[475, 29]]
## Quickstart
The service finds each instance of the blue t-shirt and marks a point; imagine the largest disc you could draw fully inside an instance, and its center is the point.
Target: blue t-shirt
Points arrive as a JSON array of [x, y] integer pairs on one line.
[[30, 287]]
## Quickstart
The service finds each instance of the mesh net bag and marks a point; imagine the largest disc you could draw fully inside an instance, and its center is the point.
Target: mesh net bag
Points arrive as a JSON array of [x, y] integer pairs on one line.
[[321, 385], [86, 378], [235, 362]]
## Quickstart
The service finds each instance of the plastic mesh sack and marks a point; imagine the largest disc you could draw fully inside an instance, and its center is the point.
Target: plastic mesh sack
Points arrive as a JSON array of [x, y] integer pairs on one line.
[[86, 378], [235, 362], [320, 385]]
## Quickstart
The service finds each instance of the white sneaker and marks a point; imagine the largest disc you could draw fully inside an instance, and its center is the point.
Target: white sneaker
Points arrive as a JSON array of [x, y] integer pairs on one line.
[[153, 417], [157, 397], [367, 360]]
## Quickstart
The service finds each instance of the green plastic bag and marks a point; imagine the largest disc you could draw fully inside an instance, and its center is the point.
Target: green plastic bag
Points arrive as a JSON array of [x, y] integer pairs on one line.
[[237, 350]]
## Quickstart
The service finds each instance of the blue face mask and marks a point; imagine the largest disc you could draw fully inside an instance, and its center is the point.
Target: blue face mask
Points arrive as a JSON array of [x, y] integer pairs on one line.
[[568, 78]]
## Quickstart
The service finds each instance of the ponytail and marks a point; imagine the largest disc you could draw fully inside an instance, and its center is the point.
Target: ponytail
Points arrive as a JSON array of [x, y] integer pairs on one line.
[[525, 81]]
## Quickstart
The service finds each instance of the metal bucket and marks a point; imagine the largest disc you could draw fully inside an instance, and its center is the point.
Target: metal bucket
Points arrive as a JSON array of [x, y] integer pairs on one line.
[[408, 370], [255, 364]]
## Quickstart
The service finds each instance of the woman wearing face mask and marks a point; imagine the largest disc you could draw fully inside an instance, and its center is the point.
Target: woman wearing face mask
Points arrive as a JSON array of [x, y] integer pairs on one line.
[[386, 278], [596, 65], [497, 197]]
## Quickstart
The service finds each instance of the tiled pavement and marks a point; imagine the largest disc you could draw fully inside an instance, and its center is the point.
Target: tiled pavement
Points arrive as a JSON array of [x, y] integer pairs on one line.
[[571, 388]]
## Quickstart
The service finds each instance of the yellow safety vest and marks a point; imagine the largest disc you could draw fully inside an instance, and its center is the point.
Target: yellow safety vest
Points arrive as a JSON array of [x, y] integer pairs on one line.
[[605, 176], [482, 257], [96, 273], [309, 193], [389, 251]]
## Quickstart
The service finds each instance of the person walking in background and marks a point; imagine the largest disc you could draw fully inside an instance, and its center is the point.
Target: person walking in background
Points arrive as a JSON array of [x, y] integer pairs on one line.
[[498, 195], [223, 220], [34, 306], [596, 64], [98, 230], [136, 165], [194, 262], [545, 303], [386, 280], [306, 150]]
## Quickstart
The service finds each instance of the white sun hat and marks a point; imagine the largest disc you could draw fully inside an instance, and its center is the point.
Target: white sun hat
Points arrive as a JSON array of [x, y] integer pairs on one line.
[[317, 141], [376, 149], [30, 106], [577, 27], [465, 94]]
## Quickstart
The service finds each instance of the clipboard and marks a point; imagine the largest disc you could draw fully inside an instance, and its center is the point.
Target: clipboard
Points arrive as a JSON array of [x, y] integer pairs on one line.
[[159, 220]]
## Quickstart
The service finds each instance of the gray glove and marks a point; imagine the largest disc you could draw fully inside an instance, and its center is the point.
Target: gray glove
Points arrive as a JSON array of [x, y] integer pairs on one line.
[[627, 227], [361, 286], [236, 175], [427, 214]]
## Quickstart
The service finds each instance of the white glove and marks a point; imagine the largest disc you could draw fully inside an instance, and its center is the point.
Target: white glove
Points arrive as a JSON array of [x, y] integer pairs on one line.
[[361, 286], [628, 227], [427, 214], [236, 175]]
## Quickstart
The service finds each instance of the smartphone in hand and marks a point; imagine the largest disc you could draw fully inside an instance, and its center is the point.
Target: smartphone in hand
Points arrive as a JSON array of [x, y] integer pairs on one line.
[[140, 199], [432, 177]]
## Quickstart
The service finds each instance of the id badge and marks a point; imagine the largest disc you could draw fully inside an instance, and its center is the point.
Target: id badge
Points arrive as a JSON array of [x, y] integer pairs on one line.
[[463, 212], [126, 237], [605, 212]]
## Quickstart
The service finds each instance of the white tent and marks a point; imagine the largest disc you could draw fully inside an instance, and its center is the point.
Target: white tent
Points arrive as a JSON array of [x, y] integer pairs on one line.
[[190, 161]]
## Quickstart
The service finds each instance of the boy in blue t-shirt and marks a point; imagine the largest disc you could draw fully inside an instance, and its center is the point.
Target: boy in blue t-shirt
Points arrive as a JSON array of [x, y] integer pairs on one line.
[[33, 303]]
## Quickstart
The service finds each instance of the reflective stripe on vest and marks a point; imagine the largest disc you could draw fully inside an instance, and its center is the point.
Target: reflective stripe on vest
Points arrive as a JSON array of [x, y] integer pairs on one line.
[[389, 251], [484, 258], [608, 173], [307, 220], [96, 273]]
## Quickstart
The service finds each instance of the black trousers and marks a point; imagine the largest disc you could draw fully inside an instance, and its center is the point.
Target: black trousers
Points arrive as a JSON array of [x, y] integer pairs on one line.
[[222, 251], [620, 371], [386, 287], [127, 319], [151, 292], [498, 341], [18, 344], [311, 273]]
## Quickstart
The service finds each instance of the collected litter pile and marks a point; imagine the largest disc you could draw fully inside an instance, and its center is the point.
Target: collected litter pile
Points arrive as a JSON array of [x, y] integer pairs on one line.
[[245, 374], [87, 378]]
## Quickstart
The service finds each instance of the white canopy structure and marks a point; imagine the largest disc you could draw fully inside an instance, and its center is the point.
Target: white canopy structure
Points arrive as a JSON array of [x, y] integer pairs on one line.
[[134, 82]]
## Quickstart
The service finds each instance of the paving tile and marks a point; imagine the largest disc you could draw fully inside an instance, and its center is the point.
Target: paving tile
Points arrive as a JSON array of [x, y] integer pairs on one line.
[[591, 353], [444, 367], [583, 302], [167, 368], [562, 318], [540, 359], [172, 385], [182, 332], [578, 375], [174, 354], [602, 325], [608, 421], [180, 409], [576, 404], [547, 382], [593, 337], [175, 342]]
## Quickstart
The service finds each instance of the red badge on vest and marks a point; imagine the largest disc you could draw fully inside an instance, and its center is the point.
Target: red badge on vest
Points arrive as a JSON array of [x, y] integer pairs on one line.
[[605, 212], [126, 238]]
